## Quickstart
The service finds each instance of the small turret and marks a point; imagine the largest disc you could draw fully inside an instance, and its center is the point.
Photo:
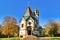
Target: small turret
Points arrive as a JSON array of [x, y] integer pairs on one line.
[[36, 12]]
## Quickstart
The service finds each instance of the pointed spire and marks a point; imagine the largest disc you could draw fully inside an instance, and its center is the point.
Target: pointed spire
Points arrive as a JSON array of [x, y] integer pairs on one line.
[[28, 10], [28, 13]]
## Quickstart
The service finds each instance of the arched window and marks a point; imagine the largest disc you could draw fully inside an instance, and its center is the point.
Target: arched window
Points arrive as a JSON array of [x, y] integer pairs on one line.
[[22, 25]]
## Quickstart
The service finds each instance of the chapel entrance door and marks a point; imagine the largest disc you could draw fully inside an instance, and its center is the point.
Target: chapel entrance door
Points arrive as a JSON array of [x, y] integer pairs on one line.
[[29, 31]]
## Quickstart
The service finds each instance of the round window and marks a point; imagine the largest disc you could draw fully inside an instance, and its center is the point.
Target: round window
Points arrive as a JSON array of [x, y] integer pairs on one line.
[[29, 23]]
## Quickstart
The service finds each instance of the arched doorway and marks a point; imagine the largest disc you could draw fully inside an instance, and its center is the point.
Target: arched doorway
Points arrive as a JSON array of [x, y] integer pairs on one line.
[[29, 31]]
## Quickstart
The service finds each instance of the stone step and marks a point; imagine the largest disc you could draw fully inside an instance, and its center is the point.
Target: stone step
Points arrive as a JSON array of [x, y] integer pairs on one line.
[[30, 37]]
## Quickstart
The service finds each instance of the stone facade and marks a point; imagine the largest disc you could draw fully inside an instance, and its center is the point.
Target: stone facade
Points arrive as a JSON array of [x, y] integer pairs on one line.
[[28, 23]]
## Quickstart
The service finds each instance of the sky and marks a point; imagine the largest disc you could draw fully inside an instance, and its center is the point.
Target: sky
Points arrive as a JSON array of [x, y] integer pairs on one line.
[[48, 9]]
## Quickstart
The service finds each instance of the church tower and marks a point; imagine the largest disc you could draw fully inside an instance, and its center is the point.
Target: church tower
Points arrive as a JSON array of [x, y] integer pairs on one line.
[[36, 13]]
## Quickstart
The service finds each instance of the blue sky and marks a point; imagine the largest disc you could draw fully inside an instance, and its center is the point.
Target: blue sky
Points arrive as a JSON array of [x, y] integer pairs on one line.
[[48, 9]]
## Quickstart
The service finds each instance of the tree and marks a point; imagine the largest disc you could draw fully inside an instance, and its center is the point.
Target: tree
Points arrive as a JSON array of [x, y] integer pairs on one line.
[[9, 19], [0, 28], [52, 28], [9, 27]]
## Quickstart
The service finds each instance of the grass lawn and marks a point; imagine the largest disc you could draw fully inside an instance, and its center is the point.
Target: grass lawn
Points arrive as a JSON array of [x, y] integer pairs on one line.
[[9, 38], [53, 38], [16, 38], [56, 38]]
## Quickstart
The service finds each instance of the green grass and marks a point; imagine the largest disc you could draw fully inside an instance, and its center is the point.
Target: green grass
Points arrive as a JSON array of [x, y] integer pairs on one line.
[[9, 38], [17, 38], [53, 38], [56, 38]]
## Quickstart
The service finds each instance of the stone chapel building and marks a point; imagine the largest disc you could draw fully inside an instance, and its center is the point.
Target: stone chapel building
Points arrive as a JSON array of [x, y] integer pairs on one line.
[[29, 22]]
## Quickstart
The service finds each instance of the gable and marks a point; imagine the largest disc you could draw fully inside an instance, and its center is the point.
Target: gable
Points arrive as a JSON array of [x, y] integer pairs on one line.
[[31, 19], [23, 24], [22, 20], [27, 13], [26, 16]]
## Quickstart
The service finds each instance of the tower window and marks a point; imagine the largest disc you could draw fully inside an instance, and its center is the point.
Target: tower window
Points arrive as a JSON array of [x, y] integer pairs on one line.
[[36, 11], [22, 25], [29, 23]]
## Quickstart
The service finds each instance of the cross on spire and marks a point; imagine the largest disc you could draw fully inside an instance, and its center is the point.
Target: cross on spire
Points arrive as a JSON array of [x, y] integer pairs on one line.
[[28, 2]]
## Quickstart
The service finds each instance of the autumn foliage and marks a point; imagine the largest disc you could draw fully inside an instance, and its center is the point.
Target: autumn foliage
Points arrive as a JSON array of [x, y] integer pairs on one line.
[[9, 27], [52, 28]]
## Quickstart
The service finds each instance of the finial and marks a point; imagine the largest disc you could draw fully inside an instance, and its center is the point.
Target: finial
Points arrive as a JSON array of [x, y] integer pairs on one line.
[[28, 3], [35, 9]]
